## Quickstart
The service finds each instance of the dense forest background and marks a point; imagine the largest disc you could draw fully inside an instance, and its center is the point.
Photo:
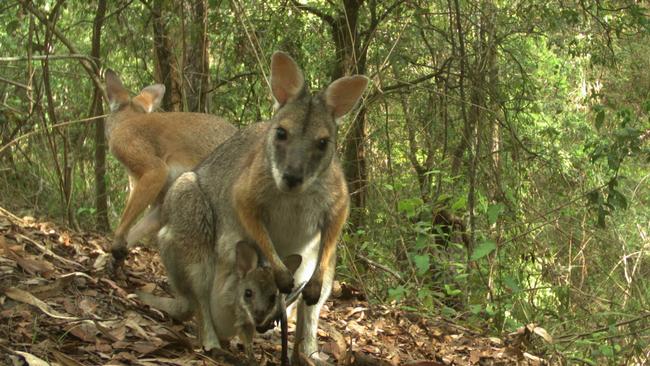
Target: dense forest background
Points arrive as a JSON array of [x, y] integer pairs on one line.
[[498, 165]]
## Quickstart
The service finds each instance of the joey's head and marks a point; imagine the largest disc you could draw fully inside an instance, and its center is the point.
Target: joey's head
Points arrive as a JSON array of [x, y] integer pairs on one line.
[[118, 97], [257, 294], [302, 141]]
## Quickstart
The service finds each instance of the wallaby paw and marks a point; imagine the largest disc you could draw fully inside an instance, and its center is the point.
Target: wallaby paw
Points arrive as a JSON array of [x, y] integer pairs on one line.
[[284, 280], [311, 292], [119, 250]]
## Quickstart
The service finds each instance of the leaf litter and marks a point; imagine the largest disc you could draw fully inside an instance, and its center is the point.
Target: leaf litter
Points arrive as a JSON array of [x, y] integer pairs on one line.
[[62, 304]]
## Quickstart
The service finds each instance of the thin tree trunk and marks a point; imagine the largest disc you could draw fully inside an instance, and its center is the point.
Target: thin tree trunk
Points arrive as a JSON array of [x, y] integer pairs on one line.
[[101, 204], [165, 62], [64, 172], [467, 124], [197, 77]]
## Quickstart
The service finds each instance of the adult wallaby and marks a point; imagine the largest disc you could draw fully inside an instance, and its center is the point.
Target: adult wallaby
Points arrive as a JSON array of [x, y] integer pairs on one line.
[[248, 297], [154, 148], [278, 184]]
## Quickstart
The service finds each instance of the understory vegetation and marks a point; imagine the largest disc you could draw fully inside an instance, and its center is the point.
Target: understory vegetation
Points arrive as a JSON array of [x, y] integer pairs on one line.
[[499, 164]]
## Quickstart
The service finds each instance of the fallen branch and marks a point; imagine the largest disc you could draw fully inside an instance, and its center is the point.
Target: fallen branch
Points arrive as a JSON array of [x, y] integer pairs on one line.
[[376, 265]]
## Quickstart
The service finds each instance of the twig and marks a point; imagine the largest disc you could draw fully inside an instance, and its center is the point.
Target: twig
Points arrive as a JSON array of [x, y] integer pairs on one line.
[[14, 141], [571, 337], [47, 251], [381, 266], [15, 83], [48, 57]]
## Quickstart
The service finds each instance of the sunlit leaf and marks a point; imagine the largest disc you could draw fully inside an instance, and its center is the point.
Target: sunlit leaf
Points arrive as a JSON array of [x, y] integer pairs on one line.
[[422, 263], [483, 249]]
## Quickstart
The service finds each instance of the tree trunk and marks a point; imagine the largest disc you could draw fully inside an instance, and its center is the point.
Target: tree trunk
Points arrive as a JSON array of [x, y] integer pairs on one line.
[[166, 68], [348, 61], [354, 164], [101, 204], [197, 77]]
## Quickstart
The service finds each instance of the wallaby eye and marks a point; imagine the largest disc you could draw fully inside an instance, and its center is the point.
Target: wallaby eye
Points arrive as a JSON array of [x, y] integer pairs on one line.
[[248, 293], [322, 144], [280, 133]]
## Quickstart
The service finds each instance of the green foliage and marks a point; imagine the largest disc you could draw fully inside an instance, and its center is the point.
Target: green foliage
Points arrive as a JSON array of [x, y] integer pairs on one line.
[[505, 186]]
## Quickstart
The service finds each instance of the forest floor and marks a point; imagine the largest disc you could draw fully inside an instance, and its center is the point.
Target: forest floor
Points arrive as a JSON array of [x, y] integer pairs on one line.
[[60, 306]]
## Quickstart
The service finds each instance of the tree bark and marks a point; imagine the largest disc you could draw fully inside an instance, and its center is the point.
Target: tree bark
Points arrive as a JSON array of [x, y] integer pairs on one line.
[[166, 67], [101, 204], [197, 77]]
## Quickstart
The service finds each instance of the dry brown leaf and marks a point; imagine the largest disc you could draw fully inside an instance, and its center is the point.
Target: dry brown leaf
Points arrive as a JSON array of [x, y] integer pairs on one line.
[[474, 356], [65, 360], [51, 289], [145, 347], [86, 331], [423, 363], [543, 333], [533, 359], [31, 359], [24, 296], [87, 306]]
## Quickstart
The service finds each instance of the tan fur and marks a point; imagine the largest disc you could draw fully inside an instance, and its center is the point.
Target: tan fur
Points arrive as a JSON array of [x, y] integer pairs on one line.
[[154, 147], [236, 313], [277, 183]]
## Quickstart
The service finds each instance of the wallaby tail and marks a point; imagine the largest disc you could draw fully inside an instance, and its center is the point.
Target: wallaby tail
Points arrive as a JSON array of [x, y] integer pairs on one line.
[[177, 308], [144, 228]]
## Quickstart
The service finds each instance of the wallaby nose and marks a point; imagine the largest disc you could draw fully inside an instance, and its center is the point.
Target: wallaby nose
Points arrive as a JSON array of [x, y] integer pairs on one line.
[[260, 316], [292, 180]]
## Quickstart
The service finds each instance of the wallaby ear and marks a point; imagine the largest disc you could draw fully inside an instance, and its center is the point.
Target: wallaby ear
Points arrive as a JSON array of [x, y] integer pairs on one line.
[[286, 78], [246, 258], [342, 95], [292, 262], [117, 94], [149, 98]]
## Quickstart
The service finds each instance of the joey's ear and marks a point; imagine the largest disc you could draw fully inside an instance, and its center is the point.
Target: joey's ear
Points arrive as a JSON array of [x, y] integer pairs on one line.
[[246, 258], [344, 93], [292, 262], [286, 78], [117, 94], [149, 98]]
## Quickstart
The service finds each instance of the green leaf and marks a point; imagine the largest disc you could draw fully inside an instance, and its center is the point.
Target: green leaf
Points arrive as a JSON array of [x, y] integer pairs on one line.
[[452, 291], [483, 249], [475, 309], [396, 293], [409, 206], [459, 204], [494, 211], [422, 263], [422, 241], [447, 311], [512, 284], [606, 350]]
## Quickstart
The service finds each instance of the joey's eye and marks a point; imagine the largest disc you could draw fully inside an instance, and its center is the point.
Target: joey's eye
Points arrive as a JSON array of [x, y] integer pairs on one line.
[[248, 293], [272, 299], [280, 133], [322, 144]]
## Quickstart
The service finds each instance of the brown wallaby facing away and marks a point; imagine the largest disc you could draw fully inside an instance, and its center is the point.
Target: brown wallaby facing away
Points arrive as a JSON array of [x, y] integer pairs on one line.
[[154, 148], [276, 183], [248, 297]]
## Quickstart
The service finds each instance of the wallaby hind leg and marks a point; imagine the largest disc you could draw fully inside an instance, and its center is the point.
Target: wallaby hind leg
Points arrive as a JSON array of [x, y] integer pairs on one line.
[[186, 250], [146, 189], [307, 319], [178, 308], [145, 228]]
